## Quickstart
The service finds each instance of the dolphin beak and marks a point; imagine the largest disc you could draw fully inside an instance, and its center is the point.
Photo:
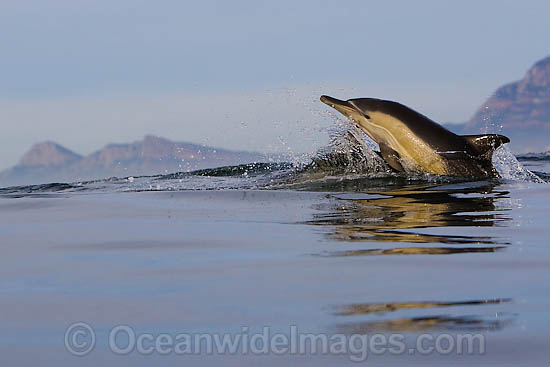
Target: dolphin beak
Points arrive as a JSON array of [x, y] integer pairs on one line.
[[333, 102], [344, 107]]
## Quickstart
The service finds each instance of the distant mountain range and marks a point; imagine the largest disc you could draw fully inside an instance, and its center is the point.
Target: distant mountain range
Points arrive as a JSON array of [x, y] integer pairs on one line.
[[50, 162], [519, 110]]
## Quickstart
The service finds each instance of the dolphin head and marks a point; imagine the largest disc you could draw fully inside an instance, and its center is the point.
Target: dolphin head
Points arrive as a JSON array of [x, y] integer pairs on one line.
[[344, 107], [361, 111]]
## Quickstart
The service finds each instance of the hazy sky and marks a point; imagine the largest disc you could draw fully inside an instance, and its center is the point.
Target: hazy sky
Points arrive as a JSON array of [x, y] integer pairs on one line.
[[246, 74]]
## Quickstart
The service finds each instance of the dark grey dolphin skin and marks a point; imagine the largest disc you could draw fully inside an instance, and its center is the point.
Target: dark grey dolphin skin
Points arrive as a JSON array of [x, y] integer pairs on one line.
[[411, 142]]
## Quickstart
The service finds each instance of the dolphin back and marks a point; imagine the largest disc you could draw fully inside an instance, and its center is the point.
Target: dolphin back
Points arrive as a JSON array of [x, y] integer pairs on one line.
[[423, 127]]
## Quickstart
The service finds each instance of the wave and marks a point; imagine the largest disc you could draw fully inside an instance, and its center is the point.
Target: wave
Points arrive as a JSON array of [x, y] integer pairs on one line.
[[41, 188], [250, 169], [543, 156]]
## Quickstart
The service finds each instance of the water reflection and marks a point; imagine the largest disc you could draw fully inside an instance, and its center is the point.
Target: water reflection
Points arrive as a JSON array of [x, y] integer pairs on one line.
[[399, 215], [488, 322], [473, 323], [427, 219], [367, 308], [414, 251]]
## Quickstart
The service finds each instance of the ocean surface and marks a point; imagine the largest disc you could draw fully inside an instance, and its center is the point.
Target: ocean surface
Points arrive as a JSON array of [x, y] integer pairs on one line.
[[116, 271]]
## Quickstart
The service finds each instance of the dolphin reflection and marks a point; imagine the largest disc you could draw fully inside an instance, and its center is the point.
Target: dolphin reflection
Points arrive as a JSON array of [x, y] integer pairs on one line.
[[367, 308], [416, 251], [398, 215], [430, 323], [488, 322]]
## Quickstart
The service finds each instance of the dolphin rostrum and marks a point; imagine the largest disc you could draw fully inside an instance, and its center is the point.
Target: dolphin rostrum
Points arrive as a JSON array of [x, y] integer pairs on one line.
[[411, 142]]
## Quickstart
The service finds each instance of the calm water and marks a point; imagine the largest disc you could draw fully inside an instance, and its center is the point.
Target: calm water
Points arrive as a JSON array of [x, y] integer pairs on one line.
[[328, 253]]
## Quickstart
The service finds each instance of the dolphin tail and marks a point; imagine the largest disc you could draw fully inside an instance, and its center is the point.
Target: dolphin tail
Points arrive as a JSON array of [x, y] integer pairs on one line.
[[486, 143]]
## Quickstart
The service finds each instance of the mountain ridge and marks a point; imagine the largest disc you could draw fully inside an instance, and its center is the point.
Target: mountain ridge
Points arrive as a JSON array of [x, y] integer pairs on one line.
[[50, 162]]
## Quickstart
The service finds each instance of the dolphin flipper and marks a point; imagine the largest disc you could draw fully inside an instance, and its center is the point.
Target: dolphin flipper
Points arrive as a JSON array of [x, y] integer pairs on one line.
[[486, 142], [391, 157]]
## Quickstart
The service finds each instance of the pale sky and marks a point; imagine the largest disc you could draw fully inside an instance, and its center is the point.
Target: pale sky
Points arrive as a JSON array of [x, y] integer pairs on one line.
[[247, 74]]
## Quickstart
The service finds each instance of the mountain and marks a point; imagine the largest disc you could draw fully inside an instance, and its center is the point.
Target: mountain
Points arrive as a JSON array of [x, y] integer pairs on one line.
[[154, 155], [50, 162], [48, 154], [519, 110]]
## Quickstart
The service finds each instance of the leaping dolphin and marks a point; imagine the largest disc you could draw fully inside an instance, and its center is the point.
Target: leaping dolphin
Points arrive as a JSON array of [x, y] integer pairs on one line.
[[411, 142]]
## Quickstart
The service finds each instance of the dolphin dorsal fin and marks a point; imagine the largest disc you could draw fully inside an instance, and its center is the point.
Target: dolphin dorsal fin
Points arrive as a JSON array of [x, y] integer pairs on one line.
[[485, 143]]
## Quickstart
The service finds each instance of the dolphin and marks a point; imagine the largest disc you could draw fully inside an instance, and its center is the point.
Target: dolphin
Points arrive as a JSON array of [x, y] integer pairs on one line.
[[411, 142]]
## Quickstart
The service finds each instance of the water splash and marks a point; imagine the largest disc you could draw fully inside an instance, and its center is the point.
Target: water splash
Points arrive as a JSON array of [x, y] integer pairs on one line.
[[511, 169], [350, 151]]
